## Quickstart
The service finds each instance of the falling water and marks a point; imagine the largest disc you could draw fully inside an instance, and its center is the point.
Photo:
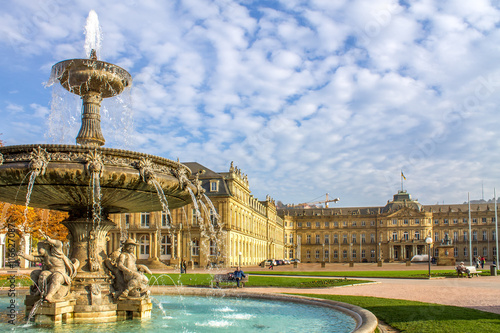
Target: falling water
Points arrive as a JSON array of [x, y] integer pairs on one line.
[[34, 309], [31, 183], [93, 35], [96, 199], [195, 203]]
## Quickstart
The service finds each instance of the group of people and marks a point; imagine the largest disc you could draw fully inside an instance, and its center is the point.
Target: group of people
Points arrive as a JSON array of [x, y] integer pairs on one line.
[[479, 261]]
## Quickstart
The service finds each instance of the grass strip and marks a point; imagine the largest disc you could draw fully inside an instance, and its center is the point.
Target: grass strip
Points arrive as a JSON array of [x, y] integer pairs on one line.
[[416, 274], [417, 317], [254, 281]]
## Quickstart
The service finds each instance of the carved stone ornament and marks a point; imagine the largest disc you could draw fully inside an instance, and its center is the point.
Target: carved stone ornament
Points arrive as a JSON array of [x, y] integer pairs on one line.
[[39, 158], [1, 158], [146, 171], [94, 163]]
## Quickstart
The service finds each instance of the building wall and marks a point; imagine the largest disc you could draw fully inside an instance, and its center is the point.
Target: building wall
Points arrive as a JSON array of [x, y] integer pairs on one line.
[[248, 232], [395, 232]]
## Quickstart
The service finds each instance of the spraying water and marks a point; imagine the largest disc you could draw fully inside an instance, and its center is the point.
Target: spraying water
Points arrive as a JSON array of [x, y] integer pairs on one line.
[[93, 35]]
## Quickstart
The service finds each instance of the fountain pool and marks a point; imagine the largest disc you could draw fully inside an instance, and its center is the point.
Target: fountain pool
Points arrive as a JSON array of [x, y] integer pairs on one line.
[[213, 314]]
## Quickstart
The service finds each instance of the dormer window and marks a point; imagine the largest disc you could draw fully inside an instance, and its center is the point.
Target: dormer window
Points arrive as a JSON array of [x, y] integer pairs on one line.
[[214, 186]]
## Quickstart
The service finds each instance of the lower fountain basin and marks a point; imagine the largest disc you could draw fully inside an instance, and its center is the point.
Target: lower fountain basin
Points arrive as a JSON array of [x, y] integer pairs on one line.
[[64, 183], [221, 314]]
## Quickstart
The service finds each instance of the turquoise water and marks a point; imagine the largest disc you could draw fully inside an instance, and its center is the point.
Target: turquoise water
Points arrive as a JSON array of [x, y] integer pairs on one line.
[[209, 314]]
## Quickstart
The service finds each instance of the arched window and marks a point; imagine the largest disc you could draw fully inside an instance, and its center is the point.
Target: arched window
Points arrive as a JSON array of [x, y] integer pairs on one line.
[[405, 235], [417, 235]]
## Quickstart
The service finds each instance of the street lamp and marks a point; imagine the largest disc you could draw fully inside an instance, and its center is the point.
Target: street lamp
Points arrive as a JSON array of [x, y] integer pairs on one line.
[[428, 241]]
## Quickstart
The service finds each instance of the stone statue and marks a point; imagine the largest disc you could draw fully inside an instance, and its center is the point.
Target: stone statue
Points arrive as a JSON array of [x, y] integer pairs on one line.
[[129, 281], [53, 281]]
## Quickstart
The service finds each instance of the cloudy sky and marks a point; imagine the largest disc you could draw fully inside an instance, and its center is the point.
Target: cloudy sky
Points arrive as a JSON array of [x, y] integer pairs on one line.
[[306, 97]]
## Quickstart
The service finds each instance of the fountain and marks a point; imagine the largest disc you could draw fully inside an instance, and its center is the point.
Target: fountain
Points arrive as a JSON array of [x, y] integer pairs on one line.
[[90, 182]]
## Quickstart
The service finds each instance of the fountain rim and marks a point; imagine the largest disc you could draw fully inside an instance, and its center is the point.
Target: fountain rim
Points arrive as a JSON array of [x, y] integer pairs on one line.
[[86, 61], [27, 148]]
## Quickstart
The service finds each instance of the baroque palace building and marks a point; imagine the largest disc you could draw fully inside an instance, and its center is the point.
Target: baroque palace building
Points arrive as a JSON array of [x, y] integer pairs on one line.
[[394, 232], [247, 232]]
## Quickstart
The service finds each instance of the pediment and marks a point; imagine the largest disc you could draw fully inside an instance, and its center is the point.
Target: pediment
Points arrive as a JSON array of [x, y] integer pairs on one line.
[[406, 212]]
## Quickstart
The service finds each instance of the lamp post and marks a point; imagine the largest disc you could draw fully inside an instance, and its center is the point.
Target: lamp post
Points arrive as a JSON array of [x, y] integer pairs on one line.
[[428, 241], [324, 252], [239, 260]]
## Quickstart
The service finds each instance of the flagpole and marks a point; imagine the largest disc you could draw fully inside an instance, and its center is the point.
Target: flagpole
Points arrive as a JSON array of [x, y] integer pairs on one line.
[[496, 227], [470, 233]]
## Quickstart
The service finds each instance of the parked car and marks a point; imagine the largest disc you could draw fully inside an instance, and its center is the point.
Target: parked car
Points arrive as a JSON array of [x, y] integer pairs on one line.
[[279, 262], [268, 262], [293, 261]]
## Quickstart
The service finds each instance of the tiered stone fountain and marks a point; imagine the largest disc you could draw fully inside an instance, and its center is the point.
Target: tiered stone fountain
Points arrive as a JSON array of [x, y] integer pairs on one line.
[[90, 182]]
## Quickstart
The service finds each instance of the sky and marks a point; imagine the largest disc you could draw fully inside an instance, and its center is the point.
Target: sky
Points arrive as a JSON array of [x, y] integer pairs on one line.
[[306, 97]]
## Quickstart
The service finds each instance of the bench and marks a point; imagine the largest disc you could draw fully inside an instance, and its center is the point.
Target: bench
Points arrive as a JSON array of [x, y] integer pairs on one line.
[[472, 271], [228, 277]]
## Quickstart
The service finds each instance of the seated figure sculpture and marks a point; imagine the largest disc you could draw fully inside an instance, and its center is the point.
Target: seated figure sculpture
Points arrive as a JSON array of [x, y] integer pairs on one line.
[[52, 282], [129, 281]]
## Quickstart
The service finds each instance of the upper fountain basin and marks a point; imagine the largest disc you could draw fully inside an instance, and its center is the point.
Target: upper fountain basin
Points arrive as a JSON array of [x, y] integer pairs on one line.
[[64, 179], [81, 76]]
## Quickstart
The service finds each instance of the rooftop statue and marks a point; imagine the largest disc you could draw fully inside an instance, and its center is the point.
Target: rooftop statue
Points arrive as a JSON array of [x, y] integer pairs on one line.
[[52, 282]]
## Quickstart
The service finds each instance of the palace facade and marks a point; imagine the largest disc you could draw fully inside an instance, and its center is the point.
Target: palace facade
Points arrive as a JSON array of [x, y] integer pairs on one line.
[[241, 231], [394, 232]]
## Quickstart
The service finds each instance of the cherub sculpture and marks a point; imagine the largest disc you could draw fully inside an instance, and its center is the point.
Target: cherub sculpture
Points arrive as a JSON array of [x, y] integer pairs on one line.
[[53, 281], [129, 281]]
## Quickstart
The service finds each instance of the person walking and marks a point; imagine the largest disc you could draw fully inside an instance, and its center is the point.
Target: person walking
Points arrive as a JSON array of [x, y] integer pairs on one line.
[[238, 275], [183, 267], [482, 262], [271, 265]]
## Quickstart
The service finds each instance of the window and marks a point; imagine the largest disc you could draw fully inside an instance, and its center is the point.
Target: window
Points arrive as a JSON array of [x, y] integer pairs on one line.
[[372, 223], [394, 236], [327, 255], [363, 238], [308, 254], [318, 241], [484, 219], [127, 221], [417, 221], [485, 235], [455, 252], [493, 235], [214, 186], [344, 254], [372, 238], [317, 254], [335, 239], [354, 254], [354, 238], [299, 224], [417, 235], [466, 253], [363, 253], [335, 224], [290, 254], [212, 216], [485, 252], [465, 236], [165, 219], [372, 253], [474, 220], [465, 220], [474, 251], [354, 223], [344, 238], [144, 247], [405, 221], [308, 224], [436, 221], [474, 235], [405, 235], [455, 236], [194, 217], [436, 237], [291, 224], [445, 221], [195, 247], [291, 238], [455, 221], [394, 221], [145, 220], [335, 254], [344, 223], [308, 239], [213, 247], [327, 224], [318, 225], [363, 223], [327, 239], [166, 244]]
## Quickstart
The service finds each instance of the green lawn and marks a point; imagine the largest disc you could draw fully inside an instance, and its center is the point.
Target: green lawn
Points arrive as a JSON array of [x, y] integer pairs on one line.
[[254, 281], [417, 317], [413, 274]]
